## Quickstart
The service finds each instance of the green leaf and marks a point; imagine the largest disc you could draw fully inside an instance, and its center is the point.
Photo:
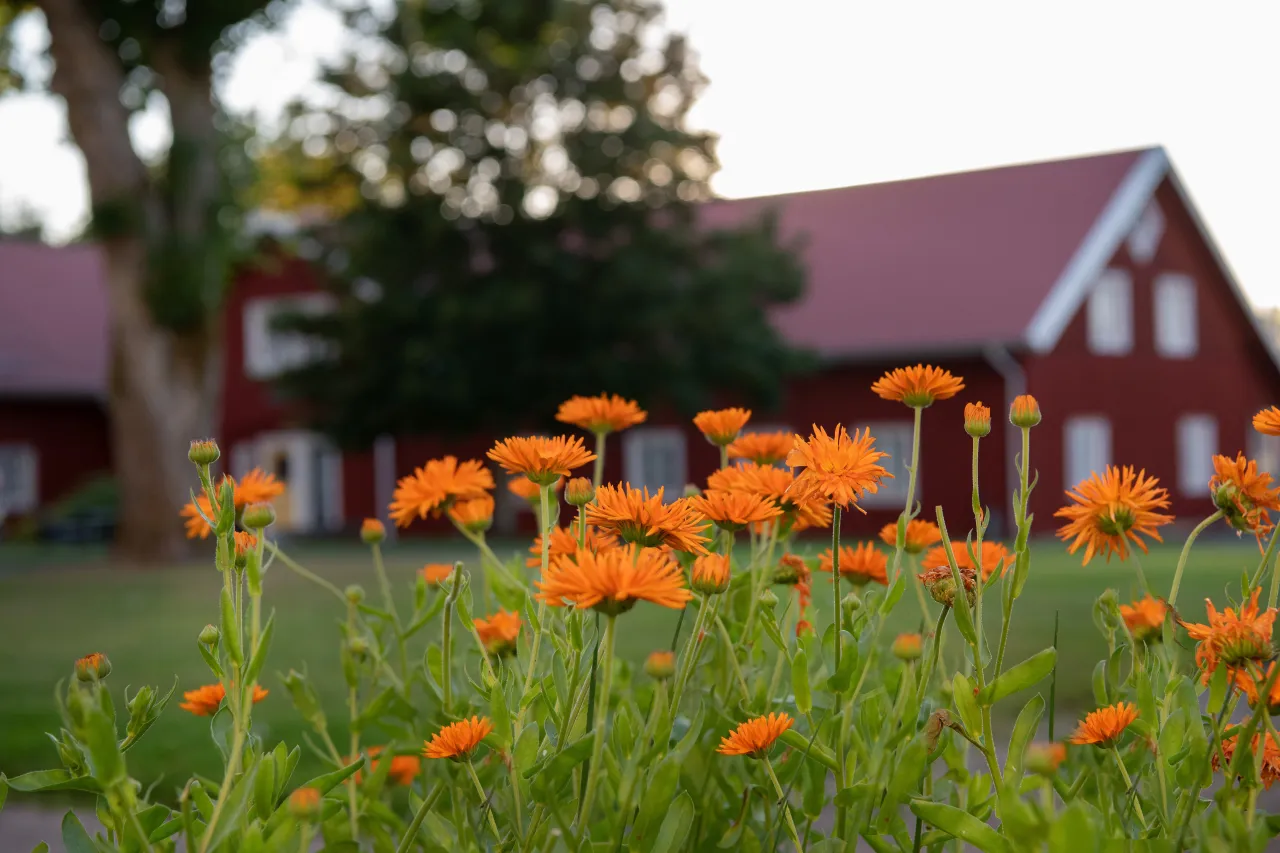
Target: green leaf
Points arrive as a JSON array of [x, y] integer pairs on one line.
[[42, 847], [326, 782], [1026, 674], [236, 803], [843, 677], [169, 828], [211, 661], [260, 655], [1217, 690], [1100, 684], [905, 779], [557, 770], [966, 704], [800, 682], [961, 825], [854, 794], [435, 663], [675, 826], [500, 714], [4, 791], [894, 594], [526, 751], [74, 837], [221, 729], [376, 708], [54, 780], [264, 788], [658, 793], [1023, 731], [769, 622], [99, 735]]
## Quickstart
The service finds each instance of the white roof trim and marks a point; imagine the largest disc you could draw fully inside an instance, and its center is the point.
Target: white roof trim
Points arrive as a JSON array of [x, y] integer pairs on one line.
[[1122, 212]]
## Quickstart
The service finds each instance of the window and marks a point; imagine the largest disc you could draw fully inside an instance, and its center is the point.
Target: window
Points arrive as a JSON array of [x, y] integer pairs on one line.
[[893, 438], [19, 489], [1111, 314], [1175, 321], [1087, 439], [1264, 449], [654, 458], [269, 352], [1145, 237], [1197, 443]]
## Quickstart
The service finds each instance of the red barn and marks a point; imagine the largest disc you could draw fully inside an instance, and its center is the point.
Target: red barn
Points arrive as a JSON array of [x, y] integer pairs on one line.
[[1089, 282]]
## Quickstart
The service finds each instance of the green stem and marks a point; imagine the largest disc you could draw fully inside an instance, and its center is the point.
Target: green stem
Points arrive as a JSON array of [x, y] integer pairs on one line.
[[406, 842], [733, 659], [544, 494], [597, 476], [691, 648], [301, 572], [602, 723], [1275, 584], [353, 710], [842, 777], [1128, 785], [901, 540], [224, 790], [760, 573], [1186, 552], [1266, 558], [484, 799], [926, 674], [782, 803], [446, 638], [390, 604]]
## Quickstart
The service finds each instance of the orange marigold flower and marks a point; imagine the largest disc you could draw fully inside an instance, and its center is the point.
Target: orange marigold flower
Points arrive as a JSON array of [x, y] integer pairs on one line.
[[734, 510], [602, 414], [402, 771], [792, 569], [754, 737], [1244, 493], [918, 386], [499, 632], [474, 514], [660, 665], [305, 803], [1108, 512], [542, 460], [1024, 411], [977, 419], [244, 542], [257, 487], [721, 426], [1270, 757], [204, 701], [372, 531], [1251, 687], [859, 564], [613, 581], [994, 556], [920, 535], [93, 667], [457, 740], [437, 573], [801, 508], [908, 647], [1232, 638], [636, 516], [1144, 617], [711, 574], [195, 524], [1104, 725], [839, 467], [762, 448], [1267, 421], [434, 487], [523, 487], [564, 543]]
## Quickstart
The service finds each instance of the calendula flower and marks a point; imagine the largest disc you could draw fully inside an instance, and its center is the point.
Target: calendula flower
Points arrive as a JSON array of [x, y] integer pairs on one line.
[[1244, 493], [1044, 759], [754, 737], [1105, 725], [801, 508], [1251, 686], [523, 487], [1270, 757], [1024, 411], [839, 467], [994, 556], [93, 667], [204, 701], [542, 460], [499, 632], [436, 574], [660, 665], [730, 510], [306, 803], [195, 524], [1231, 639], [722, 426], [792, 570], [402, 771], [602, 414], [1267, 421], [641, 518], [564, 543], [918, 386], [711, 574], [580, 492], [1144, 617], [255, 487], [434, 487], [458, 740], [372, 531], [613, 581], [942, 585], [1108, 512], [977, 420], [860, 564], [920, 535], [762, 448], [908, 647], [244, 543], [473, 514]]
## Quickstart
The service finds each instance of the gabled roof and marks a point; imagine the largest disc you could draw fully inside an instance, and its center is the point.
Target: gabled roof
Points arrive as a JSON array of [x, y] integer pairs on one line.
[[954, 262], [53, 320]]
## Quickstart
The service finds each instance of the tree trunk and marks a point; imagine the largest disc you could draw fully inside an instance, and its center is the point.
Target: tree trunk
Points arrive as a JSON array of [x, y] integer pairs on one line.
[[163, 385]]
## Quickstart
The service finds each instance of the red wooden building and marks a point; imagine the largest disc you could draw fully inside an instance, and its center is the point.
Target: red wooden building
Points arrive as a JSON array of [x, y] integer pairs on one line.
[[1089, 282]]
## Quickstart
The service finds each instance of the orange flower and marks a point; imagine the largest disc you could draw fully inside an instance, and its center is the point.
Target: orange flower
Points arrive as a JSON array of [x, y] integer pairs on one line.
[[908, 647], [977, 419], [564, 542], [1270, 757], [204, 701], [840, 468], [437, 573], [474, 514], [994, 555], [457, 740], [1024, 411], [636, 516], [1244, 493], [801, 509], [1144, 617], [1104, 725], [660, 665], [1045, 758], [920, 535], [721, 426], [763, 448], [255, 487], [734, 510], [1267, 421], [918, 386], [1109, 511], [93, 667], [305, 803], [803, 625], [754, 737], [402, 771], [942, 585], [792, 570], [602, 414], [523, 487], [860, 564], [435, 486], [613, 581], [244, 542], [499, 632], [372, 531], [195, 523], [1250, 686], [711, 574], [1232, 638], [542, 460]]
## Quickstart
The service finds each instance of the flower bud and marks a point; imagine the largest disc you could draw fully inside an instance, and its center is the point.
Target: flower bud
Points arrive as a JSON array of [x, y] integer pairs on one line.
[[94, 667], [304, 699], [372, 532], [354, 593], [305, 804], [1025, 412], [908, 647], [710, 574], [209, 636], [659, 665], [141, 702], [852, 602], [579, 492], [359, 647], [204, 452], [768, 599], [245, 543], [1044, 759], [977, 420], [258, 516]]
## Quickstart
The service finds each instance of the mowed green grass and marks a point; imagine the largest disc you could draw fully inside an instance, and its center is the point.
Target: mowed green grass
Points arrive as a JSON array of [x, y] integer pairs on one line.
[[52, 612]]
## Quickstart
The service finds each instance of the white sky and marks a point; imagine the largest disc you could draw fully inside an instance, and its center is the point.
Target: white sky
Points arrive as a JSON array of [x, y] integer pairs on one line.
[[809, 94]]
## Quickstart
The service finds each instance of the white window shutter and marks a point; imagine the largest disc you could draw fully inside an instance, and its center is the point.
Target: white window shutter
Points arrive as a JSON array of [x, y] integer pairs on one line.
[[654, 458], [1110, 314], [1088, 448], [1176, 323], [893, 438], [1197, 438]]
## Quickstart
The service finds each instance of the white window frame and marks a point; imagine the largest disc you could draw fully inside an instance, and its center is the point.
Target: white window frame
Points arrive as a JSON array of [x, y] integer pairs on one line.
[[1264, 449], [894, 438], [1176, 315], [638, 443], [1144, 239], [1076, 470], [1196, 439], [22, 494], [269, 353], [1109, 313]]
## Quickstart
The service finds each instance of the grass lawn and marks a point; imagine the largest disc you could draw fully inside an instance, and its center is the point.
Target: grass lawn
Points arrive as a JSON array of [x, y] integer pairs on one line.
[[52, 612]]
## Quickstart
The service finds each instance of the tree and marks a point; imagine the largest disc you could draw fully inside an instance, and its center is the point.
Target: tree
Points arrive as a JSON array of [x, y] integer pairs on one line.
[[167, 229], [528, 227]]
